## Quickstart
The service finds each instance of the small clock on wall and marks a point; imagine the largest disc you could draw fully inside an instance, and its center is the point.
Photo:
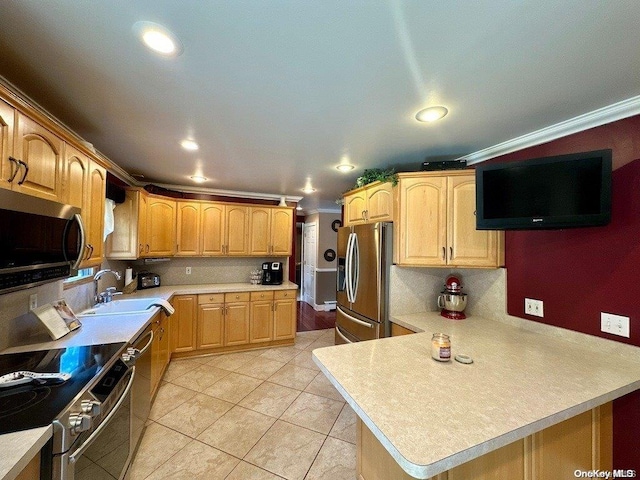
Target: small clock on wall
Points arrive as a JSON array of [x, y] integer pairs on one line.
[[336, 225], [329, 255]]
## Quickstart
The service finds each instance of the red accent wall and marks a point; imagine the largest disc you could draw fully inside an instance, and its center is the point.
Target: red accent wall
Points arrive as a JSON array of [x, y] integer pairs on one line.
[[579, 273]]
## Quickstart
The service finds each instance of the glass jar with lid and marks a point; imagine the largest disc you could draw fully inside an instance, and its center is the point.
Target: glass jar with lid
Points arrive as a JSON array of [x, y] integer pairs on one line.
[[441, 347]]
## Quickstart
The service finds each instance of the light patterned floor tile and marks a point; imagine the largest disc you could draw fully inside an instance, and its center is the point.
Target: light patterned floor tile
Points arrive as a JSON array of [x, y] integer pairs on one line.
[[345, 426], [293, 376], [303, 342], [280, 354], [233, 387], [246, 471], [313, 412], [321, 386], [169, 396], [200, 378], [230, 361], [195, 415], [304, 360], [237, 431], [157, 445], [261, 368], [196, 461], [286, 450], [179, 367], [335, 461], [270, 399]]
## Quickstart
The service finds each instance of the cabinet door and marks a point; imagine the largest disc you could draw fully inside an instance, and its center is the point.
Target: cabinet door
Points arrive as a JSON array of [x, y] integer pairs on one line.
[[94, 219], [75, 178], [165, 342], [284, 316], [236, 328], [422, 224], [354, 207], [143, 238], [188, 228], [7, 168], [261, 321], [237, 230], [259, 231], [380, 203], [41, 150], [281, 231], [161, 227], [183, 331], [123, 242], [466, 245], [212, 230], [210, 326]]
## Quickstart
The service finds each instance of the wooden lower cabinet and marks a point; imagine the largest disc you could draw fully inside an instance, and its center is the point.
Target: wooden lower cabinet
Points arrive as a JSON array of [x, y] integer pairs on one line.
[[583, 442], [32, 470], [236, 322], [261, 322], [210, 328], [397, 330], [160, 349], [284, 315], [183, 323]]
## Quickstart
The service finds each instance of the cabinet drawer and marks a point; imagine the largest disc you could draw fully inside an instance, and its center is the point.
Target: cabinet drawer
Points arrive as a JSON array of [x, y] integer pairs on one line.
[[262, 295], [237, 297], [280, 294], [211, 298]]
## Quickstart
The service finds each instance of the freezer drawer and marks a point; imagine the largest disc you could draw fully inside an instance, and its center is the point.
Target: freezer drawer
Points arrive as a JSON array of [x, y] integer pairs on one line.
[[356, 328]]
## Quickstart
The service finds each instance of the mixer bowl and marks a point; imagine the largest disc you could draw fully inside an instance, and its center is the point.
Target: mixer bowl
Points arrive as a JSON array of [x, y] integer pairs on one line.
[[452, 302]]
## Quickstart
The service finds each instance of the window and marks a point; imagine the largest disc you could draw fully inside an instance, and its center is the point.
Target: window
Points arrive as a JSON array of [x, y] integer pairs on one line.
[[82, 276]]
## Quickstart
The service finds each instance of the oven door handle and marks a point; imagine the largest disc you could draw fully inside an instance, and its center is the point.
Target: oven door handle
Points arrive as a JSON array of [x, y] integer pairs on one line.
[[73, 458], [354, 319], [143, 350]]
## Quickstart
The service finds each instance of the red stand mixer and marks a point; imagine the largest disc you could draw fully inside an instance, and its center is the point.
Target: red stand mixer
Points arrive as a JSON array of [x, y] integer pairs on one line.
[[452, 301]]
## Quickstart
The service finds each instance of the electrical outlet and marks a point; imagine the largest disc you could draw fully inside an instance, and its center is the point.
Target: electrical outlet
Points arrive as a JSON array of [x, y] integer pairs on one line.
[[33, 301], [188, 270], [615, 324], [534, 307]]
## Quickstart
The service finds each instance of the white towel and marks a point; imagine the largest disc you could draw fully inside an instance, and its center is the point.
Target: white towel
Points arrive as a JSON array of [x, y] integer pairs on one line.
[[109, 222], [164, 305]]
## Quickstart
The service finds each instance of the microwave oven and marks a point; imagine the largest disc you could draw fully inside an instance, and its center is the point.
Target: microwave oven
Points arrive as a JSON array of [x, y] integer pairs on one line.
[[40, 240]]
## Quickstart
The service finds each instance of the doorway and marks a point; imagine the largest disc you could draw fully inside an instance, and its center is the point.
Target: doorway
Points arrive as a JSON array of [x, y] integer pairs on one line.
[[309, 257]]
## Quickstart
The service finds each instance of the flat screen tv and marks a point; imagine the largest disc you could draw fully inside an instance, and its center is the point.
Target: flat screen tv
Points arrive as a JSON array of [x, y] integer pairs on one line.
[[565, 191]]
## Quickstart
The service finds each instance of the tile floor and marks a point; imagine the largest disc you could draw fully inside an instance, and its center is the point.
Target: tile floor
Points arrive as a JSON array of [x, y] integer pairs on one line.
[[265, 414]]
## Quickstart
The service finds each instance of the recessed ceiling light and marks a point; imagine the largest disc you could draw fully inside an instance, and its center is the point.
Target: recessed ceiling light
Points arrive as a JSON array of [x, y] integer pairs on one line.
[[198, 178], [308, 189], [189, 144], [158, 38], [345, 167], [431, 114]]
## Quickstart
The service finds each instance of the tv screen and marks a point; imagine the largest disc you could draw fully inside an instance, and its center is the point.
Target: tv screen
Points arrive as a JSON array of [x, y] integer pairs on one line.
[[554, 192]]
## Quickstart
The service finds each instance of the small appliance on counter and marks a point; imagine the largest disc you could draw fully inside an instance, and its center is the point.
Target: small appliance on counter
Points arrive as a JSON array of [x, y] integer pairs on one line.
[[452, 301], [272, 273], [148, 280]]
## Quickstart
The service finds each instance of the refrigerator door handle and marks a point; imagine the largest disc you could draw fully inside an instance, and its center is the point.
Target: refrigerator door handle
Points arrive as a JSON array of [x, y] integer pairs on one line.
[[347, 268], [341, 335], [354, 319], [356, 259]]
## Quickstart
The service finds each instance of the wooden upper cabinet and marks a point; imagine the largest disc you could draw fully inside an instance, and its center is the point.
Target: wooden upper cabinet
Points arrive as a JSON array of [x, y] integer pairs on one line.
[[212, 229], [436, 223], [161, 227], [188, 228], [237, 226], [368, 204], [282, 220], [7, 168], [76, 178], [124, 242], [94, 220], [41, 151], [260, 226]]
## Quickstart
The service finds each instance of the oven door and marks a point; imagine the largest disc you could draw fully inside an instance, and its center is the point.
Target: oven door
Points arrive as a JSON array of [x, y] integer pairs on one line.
[[351, 327], [106, 452]]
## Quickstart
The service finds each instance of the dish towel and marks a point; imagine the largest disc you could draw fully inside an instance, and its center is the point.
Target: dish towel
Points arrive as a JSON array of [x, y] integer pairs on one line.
[[164, 305], [109, 222]]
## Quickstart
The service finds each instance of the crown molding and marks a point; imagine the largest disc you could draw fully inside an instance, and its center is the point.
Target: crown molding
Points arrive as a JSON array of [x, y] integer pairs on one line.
[[323, 210], [617, 111], [226, 193]]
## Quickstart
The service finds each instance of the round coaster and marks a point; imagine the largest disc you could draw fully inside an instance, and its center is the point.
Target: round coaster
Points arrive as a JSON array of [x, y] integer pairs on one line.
[[463, 358]]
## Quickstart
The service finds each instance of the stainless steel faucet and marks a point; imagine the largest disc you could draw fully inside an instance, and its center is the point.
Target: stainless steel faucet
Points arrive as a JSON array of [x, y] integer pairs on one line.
[[107, 295]]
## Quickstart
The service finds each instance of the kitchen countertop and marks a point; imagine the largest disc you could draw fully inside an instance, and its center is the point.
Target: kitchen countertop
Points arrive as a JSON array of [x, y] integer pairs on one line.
[[18, 448], [521, 382]]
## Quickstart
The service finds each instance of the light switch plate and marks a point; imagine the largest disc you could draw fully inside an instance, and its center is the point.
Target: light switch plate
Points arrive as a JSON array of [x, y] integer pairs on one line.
[[614, 324]]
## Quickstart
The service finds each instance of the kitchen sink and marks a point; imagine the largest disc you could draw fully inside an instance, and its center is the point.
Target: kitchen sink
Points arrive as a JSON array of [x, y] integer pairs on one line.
[[117, 307]]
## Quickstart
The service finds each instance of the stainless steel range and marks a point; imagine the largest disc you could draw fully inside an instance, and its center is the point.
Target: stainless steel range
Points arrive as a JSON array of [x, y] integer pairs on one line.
[[85, 394]]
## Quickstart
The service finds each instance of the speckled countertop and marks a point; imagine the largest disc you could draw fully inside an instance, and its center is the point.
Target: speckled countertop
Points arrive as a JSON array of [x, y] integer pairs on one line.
[[521, 382], [18, 448]]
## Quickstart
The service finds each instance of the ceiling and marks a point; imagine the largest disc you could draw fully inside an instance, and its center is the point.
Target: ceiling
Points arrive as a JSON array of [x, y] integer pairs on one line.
[[278, 92]]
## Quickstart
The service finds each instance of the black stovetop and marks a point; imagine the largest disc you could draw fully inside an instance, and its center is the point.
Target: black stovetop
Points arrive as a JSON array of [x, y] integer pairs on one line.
[[32, 405]]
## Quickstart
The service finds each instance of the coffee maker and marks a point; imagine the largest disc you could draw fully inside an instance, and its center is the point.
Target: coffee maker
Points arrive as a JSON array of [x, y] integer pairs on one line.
[[272, 273], [452, 301]]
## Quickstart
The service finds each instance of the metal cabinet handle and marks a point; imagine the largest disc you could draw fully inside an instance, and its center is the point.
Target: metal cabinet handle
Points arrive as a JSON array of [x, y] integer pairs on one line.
[[450, 253], [26, 172], [444, 253], [147, 248], [13, 172]]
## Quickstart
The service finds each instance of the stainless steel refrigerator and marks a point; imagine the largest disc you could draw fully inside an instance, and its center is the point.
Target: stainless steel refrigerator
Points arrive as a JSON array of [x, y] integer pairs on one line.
[[364, 258]]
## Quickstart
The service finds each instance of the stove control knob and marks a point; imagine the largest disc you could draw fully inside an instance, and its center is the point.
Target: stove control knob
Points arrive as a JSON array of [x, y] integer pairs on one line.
[[128, 359], [132, 351], [90, 407], [79, 423]]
